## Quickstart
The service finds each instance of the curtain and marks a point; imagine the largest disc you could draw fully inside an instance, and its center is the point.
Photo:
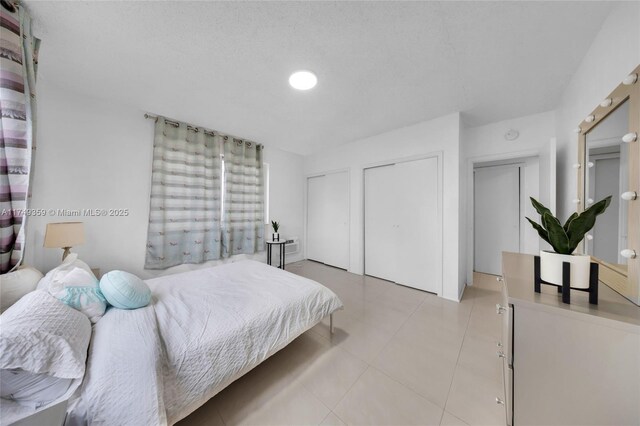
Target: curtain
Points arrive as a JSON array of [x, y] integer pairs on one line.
[[185, 209], [243, 227], [18, 65]]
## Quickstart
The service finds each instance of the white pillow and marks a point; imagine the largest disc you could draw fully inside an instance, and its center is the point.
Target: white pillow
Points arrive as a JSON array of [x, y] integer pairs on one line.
[[16, 284], [74, 284], [30, 389], [44, 336], [70, 262]]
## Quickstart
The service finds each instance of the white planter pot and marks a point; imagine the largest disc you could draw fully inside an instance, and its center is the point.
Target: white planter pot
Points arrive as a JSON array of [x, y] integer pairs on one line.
[[275, 237], [551, 268]]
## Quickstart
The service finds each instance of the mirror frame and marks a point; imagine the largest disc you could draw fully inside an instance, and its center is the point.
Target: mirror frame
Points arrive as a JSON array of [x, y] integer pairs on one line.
[[624, 282]]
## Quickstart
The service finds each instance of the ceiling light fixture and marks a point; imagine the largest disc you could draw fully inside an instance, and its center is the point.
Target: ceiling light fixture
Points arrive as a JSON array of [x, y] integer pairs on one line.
[[303, 80]]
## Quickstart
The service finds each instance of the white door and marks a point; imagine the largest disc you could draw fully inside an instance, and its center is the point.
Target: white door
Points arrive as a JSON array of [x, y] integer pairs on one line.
[[380, 209], [418, 225], [328, 219], [336, 227], [315, 218], [496, 216]]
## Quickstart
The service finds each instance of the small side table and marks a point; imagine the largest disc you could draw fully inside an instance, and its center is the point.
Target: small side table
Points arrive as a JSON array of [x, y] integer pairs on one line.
[[281, 245]]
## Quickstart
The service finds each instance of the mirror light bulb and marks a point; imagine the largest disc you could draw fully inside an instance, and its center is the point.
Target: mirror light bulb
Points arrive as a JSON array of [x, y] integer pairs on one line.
[[630, 79], [630, 137], [606, 103]]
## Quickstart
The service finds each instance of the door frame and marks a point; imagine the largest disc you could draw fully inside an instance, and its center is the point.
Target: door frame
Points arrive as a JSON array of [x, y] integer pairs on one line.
[[435, 154], [306, 208], [470, 191]]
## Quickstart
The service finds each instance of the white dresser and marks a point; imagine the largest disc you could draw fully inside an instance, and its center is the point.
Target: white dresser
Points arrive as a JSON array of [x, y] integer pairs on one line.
[[576, 364]]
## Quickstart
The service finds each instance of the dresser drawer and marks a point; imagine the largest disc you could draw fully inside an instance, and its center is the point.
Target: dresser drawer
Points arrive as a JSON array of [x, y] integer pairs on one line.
[[505, 350]]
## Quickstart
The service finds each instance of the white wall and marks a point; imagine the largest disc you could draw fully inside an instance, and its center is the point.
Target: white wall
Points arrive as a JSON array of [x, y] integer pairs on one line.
[[286, 196], [439, 135], [487, 143], [96, 154], [614, 53], [463, 205]]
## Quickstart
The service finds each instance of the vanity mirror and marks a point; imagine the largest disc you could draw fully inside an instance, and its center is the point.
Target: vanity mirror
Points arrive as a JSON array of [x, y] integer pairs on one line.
[[609, 164]]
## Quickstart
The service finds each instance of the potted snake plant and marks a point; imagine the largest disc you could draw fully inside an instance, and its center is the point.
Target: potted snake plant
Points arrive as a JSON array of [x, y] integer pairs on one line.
[[275, 236], [565, 239]]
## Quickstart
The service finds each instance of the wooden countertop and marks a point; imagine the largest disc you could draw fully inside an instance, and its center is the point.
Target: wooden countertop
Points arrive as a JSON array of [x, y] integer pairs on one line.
[[612, 309]]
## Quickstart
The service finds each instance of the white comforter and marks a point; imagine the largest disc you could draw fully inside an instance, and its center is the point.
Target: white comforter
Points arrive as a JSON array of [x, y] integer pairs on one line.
[[204, 329]]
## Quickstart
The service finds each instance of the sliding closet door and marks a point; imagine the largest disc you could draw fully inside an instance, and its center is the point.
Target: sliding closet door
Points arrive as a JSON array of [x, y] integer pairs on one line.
[[336, 208], [315, 218], [328, 219], [419, 228], [403, 225], [380, 223]]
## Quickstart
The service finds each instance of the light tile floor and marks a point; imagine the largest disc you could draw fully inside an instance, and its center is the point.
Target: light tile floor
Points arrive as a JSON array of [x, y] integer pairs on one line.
[[398, 357]]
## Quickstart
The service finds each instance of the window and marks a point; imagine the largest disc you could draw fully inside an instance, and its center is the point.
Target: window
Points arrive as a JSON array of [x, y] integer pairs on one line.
[[265, 171], [207, 194]]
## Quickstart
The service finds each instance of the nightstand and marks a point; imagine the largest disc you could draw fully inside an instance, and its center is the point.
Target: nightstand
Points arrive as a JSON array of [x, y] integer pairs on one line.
[[281, 245]]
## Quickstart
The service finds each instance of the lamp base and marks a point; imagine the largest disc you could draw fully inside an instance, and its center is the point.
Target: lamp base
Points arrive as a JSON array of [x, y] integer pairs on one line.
[[67, 250]]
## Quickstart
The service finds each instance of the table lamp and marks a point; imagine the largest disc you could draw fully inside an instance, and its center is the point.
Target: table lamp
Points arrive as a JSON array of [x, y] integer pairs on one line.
[[64, 235]]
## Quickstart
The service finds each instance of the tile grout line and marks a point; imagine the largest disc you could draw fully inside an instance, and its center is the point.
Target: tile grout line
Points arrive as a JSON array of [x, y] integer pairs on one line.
[[396, 332], [410, 390], [349, 390], [466, 329], [321, 402], [370, 365], [395, 380], [340, 418], [409, 387]]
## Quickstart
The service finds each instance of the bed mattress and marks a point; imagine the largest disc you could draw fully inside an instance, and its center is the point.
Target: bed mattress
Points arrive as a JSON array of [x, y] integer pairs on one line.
[[203, 330]]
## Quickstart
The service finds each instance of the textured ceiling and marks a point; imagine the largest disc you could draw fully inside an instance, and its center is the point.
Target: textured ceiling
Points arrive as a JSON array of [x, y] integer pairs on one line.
[[380, 65]]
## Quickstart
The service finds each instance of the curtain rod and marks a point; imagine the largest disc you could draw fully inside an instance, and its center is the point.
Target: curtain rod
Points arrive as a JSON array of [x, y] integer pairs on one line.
[[176, 123]]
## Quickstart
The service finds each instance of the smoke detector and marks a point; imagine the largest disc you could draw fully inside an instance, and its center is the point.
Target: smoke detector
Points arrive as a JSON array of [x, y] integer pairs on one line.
[[511, 135]]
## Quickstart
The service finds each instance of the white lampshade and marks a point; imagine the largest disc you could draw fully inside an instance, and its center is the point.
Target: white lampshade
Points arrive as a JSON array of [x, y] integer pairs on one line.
[[63, 235]]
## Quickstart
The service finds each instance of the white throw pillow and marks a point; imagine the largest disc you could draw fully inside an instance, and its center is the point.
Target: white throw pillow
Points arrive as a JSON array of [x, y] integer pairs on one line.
[[16, 284], [42, 335], [74, 284], [70, 262], [30, 389]]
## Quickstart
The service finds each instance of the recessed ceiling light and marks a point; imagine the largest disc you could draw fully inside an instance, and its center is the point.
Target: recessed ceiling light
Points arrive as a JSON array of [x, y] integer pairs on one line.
[[303, 80]]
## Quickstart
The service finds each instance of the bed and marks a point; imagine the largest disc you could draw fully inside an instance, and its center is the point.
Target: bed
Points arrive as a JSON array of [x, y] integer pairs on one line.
[[203, 330]]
